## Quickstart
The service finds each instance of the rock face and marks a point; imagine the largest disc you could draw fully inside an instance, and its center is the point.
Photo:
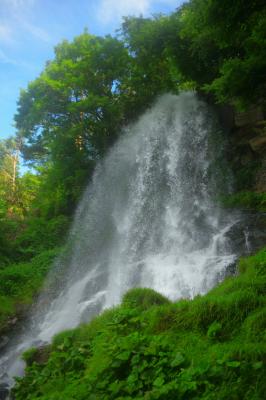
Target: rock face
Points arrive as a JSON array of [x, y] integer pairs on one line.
[[250, 117], [247, 151], [261, 177], [3, 341], [248, 235], [258, 144], [5, 331], [247, 137]]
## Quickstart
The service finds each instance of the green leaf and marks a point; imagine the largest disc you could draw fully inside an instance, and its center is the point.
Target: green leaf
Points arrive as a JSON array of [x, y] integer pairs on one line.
[[132, 378], [233, 364], [178, 360], [135, 359], [214, 330], [158, 381], [257, 365], [124, 356], [115, 386]]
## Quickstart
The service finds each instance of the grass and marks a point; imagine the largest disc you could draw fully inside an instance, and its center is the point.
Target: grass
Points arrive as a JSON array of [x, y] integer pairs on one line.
[[19, 284], [212, 347]]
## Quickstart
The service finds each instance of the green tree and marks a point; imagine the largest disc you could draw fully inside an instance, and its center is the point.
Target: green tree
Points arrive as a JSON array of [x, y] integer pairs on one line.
[[152, 70], [221, 47], [9, 170], [70, 115], [9, 196]]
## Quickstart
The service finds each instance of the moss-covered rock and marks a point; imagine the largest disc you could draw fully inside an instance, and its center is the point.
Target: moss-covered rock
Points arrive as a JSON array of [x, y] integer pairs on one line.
[[143, 298], [38, 355]]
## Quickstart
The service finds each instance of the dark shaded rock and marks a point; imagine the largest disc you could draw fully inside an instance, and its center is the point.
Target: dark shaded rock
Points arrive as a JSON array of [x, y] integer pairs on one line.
[[249, 117], [248, 235], [247, 157], [231, 270], [258, 144], [260, 183], [3, 341], [4, 391], [225, 114]]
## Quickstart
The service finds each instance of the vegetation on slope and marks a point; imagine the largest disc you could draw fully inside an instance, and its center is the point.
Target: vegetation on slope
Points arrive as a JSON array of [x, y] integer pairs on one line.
[[212, 347], [20, 283]]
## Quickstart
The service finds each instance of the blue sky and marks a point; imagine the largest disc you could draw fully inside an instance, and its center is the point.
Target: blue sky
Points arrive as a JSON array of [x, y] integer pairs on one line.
[[29, 30]]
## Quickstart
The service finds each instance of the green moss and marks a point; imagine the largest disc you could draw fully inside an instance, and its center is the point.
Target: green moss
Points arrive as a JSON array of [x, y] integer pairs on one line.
[[143, 298], [211, 347], [246, 200]]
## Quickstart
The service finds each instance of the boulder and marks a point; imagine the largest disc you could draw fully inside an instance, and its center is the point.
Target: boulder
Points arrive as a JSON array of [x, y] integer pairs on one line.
[[258, 144]]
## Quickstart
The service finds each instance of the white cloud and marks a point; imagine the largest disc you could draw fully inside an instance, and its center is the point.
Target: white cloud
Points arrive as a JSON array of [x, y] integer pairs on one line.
[[19, 15], [5, 59], [112, 10], [6, 34], [18, 4], [35, 31]]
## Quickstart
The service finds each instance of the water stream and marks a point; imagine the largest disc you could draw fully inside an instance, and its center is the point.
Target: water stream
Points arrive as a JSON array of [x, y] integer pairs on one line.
[[149, 218]]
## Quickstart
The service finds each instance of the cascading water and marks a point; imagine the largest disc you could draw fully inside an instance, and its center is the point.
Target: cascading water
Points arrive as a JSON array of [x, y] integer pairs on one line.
[[148, 219]]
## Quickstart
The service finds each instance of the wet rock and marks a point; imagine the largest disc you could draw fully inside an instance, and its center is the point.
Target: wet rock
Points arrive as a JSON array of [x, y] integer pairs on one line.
[[231, 270], [247, 157], [13, 321], [3, 341], [248, 235], [4, 391]]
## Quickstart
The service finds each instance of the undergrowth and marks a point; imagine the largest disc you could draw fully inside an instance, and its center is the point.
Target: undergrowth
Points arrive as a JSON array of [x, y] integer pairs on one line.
[[19, 283], [212, 347]]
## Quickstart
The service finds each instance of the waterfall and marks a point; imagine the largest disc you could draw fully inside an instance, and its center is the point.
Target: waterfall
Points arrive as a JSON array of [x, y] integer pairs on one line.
[[148, 219]]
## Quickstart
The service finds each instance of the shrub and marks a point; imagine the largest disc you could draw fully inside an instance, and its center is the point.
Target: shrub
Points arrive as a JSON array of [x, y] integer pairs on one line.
[[19, 283]]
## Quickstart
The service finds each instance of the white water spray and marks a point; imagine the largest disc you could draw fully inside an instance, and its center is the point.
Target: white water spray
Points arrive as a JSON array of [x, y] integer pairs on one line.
[[148, 219]]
